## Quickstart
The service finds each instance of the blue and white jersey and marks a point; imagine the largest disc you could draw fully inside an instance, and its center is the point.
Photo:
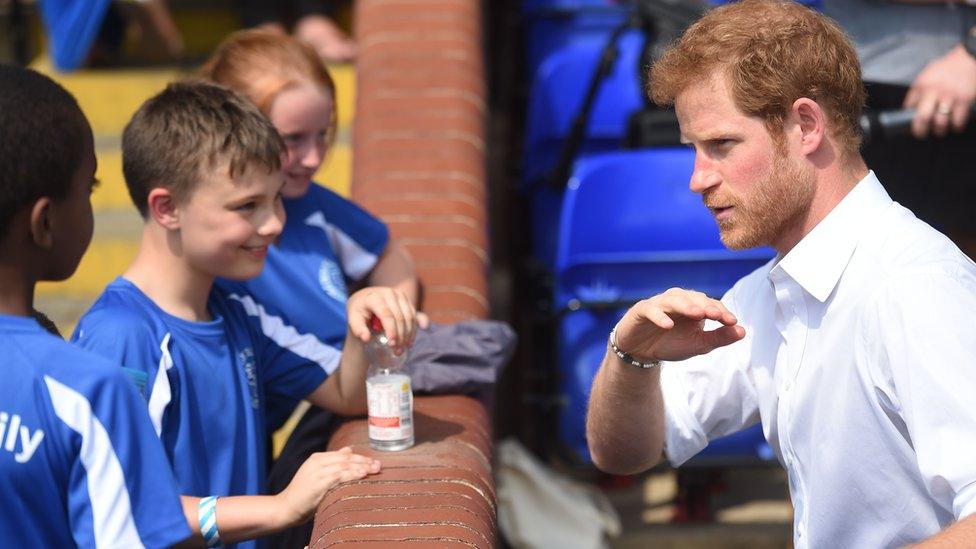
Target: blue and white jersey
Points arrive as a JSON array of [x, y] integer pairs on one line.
[[206, 383], [80, 464], [327, 243]]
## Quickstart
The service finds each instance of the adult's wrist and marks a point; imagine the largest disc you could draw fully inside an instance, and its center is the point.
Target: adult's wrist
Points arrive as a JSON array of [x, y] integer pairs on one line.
[[626, 357]]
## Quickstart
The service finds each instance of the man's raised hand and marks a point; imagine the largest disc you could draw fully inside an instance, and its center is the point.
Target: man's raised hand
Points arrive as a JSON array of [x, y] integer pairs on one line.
[[671, 326]]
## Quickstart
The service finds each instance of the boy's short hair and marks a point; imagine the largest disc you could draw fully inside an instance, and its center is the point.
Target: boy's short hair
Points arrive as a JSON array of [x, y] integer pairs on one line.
[[772, 52], [43, 131], [190, 127]]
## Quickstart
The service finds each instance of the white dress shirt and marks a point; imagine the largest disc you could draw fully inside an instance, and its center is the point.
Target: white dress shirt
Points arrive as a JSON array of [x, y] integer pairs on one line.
[[860, 360]]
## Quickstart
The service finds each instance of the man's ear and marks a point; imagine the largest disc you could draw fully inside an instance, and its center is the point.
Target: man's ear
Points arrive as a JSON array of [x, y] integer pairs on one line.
[[162, 208], [41, 224], [811, 120]]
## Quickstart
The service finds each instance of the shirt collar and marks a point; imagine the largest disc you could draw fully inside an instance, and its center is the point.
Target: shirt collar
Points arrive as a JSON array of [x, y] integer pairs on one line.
[[818, 260]]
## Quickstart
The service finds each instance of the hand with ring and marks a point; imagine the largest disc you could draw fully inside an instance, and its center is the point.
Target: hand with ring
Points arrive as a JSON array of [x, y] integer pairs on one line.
[[943, 94]]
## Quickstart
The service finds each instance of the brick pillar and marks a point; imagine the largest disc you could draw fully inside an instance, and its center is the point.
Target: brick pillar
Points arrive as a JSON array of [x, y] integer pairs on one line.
[[418, 164]]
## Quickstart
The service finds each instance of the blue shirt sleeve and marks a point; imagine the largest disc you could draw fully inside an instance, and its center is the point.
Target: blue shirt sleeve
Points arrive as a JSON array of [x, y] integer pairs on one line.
[[358, 237], [121, 488], [123, 338], [287, 374]]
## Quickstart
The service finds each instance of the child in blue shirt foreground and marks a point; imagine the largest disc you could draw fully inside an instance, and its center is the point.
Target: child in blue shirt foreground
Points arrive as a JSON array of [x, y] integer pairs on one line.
[[328, 244], [203, 167], [79, 462]]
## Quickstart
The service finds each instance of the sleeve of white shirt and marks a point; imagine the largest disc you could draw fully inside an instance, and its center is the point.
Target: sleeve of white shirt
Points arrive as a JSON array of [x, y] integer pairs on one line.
[[926, 327], [707, 396]]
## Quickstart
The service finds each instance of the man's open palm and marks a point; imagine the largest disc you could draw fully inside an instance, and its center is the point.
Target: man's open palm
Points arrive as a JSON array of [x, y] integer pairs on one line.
[[671, 326]]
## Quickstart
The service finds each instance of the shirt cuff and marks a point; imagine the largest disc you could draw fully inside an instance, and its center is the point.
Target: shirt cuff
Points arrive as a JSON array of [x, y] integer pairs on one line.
[[683, 433], [964, 504]]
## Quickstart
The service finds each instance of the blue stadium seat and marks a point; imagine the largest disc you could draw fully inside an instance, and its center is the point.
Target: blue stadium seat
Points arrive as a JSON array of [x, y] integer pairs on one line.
[[558, 90], [549, 28], [535, 7], [629, 229]]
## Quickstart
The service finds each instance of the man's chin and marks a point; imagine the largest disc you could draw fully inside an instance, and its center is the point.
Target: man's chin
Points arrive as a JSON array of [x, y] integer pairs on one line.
[[738, 239]]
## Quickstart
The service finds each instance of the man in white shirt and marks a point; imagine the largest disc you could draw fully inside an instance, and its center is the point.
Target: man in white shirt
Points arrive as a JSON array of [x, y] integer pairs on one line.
[[854, 346]]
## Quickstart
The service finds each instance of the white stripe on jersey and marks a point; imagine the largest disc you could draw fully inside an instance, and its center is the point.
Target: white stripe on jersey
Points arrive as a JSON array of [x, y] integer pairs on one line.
[[113, 524], [355, 260], [303, 345], [161, 394]]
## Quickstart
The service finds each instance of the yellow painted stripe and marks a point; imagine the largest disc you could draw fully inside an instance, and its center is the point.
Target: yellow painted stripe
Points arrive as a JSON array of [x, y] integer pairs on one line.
[[345, 81], [336, 173], [111, 192], [105, 260], [109, 98]]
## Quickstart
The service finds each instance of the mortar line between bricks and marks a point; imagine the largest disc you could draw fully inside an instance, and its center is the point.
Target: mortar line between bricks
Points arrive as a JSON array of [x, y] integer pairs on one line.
[[445, 472], [473, 99], [397, 198], [401, 508], [462, 482], [413, 538], [409, 524], [392, 494], [400, 174], [465, 220], [445, 242], [372, 483], [405, 508], [455, 288]]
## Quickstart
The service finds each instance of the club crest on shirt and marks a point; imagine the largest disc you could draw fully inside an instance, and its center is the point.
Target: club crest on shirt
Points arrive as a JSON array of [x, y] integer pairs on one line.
[[246, 359], [331, 280]]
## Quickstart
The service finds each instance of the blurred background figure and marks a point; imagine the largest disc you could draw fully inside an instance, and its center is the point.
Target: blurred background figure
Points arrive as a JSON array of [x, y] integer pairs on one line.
[[93, 31], [309, 20], [921, 55]]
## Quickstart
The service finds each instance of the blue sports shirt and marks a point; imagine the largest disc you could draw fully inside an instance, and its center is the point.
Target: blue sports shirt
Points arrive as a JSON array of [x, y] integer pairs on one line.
[[206, 383], [327, 243], [80, 464]]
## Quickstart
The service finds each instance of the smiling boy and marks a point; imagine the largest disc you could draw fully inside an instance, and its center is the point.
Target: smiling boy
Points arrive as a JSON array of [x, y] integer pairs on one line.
[[202, 165]]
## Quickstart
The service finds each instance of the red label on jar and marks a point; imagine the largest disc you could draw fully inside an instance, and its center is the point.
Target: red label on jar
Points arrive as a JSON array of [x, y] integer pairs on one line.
[[384, 421]]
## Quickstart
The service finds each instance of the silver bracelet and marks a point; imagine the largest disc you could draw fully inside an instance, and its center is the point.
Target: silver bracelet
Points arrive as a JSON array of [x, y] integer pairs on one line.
[[626, 356]]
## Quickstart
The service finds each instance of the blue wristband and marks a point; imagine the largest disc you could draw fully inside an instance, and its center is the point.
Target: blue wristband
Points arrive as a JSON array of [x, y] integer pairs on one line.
[[207, 516]]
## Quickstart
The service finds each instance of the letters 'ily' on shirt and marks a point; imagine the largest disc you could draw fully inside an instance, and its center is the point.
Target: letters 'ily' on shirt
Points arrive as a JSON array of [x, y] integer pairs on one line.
[[859, 361], [205, 383], [80, 463]]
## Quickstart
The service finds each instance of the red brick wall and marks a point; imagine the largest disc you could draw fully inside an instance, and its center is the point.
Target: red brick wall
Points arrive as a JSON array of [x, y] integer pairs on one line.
[[418, 163], [418, 142]]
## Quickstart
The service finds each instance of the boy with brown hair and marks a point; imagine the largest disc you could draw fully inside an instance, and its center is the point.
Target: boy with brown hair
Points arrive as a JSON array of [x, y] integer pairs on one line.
[[203, 167], [79, 464]]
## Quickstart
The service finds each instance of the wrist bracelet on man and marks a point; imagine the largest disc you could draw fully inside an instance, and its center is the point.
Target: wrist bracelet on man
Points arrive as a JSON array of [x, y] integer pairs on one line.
[[626, 356], [207, 517]]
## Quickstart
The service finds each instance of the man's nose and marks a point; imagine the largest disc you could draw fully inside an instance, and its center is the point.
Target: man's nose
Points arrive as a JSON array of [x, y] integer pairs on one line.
[[704, 176]]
